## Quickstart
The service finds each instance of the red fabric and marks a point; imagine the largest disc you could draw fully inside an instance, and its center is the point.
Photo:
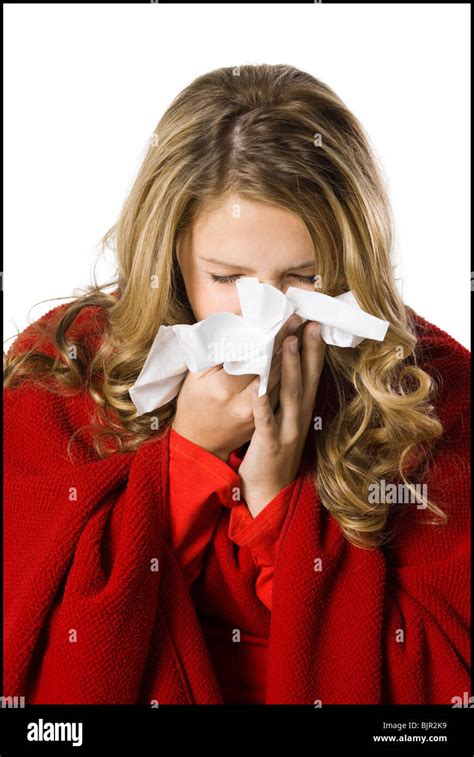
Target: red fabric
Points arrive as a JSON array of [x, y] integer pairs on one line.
[[200, 485], [90, 619]]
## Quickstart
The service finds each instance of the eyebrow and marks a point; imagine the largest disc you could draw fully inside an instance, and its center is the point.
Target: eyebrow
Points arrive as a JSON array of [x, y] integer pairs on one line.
[[242, 268]]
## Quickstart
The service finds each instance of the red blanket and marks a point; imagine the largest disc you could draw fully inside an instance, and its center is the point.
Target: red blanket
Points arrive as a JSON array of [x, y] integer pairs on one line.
[[96, 605]]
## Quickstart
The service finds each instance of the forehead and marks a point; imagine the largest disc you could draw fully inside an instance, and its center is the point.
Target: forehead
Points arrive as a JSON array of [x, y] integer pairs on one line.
[[243, 231]]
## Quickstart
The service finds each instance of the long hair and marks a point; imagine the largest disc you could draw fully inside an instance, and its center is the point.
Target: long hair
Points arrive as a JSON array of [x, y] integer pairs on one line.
[[278, 135]]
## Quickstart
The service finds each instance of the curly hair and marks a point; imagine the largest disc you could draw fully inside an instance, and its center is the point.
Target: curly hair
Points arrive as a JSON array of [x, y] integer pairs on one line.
[[275, 134]]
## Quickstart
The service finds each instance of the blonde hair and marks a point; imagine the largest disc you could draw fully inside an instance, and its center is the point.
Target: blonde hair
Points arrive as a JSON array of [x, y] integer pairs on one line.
[[273, 134]]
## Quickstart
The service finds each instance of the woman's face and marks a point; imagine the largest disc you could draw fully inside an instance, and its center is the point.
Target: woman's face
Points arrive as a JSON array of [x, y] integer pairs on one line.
[[243, 238]]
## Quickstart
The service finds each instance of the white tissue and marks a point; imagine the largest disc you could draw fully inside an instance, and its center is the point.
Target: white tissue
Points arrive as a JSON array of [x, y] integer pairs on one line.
[[243, 344]]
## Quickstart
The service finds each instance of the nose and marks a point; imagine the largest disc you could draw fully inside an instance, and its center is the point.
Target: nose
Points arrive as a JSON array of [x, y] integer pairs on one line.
[[274, 282]]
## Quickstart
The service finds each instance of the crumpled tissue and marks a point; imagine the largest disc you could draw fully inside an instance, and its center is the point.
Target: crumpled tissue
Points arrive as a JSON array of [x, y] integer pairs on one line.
[[243, 344]]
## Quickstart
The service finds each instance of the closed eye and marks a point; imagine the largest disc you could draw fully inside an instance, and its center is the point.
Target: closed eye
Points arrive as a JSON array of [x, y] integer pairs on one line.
[[235, 276]]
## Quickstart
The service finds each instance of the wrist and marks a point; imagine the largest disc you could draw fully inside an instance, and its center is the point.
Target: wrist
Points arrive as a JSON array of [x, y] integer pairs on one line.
[[222, 454], [257, 499]]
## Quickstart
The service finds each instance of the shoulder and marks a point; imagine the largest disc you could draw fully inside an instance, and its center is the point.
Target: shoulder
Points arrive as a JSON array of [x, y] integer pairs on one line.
[[37, 417], [448, 363], [84, 326], [417, 541]]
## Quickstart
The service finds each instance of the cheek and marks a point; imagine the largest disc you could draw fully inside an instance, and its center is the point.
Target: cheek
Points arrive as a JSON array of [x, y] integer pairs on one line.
[[208, 297]]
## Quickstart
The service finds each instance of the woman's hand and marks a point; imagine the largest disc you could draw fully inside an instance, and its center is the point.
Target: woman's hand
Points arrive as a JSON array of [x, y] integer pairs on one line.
[[215, 410], [273, 457]]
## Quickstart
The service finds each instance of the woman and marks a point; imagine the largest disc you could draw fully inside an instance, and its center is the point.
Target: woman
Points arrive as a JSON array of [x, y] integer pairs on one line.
[[225, 547]]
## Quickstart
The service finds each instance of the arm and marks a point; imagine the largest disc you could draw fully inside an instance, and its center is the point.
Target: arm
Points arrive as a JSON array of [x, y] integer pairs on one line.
[[261, 535], [200, 484], [83, 551], [429, 579]]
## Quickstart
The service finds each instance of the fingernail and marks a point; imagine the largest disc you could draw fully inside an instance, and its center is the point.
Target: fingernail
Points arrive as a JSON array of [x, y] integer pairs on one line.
[[294, 345], [315, 331], [294, 324]]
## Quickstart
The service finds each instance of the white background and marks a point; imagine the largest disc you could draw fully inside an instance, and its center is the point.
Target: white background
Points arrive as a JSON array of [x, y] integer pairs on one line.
[[85, 86]]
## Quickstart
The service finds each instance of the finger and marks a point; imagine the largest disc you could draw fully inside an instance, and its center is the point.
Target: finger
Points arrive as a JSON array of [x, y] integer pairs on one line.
[[273, 376], [229, 383], [245, 383], [312, 361], [274, 394], [265, 423], [218, 369], [275, 372], [233, 384], [291, 392], [288, 328], [273, 388]]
